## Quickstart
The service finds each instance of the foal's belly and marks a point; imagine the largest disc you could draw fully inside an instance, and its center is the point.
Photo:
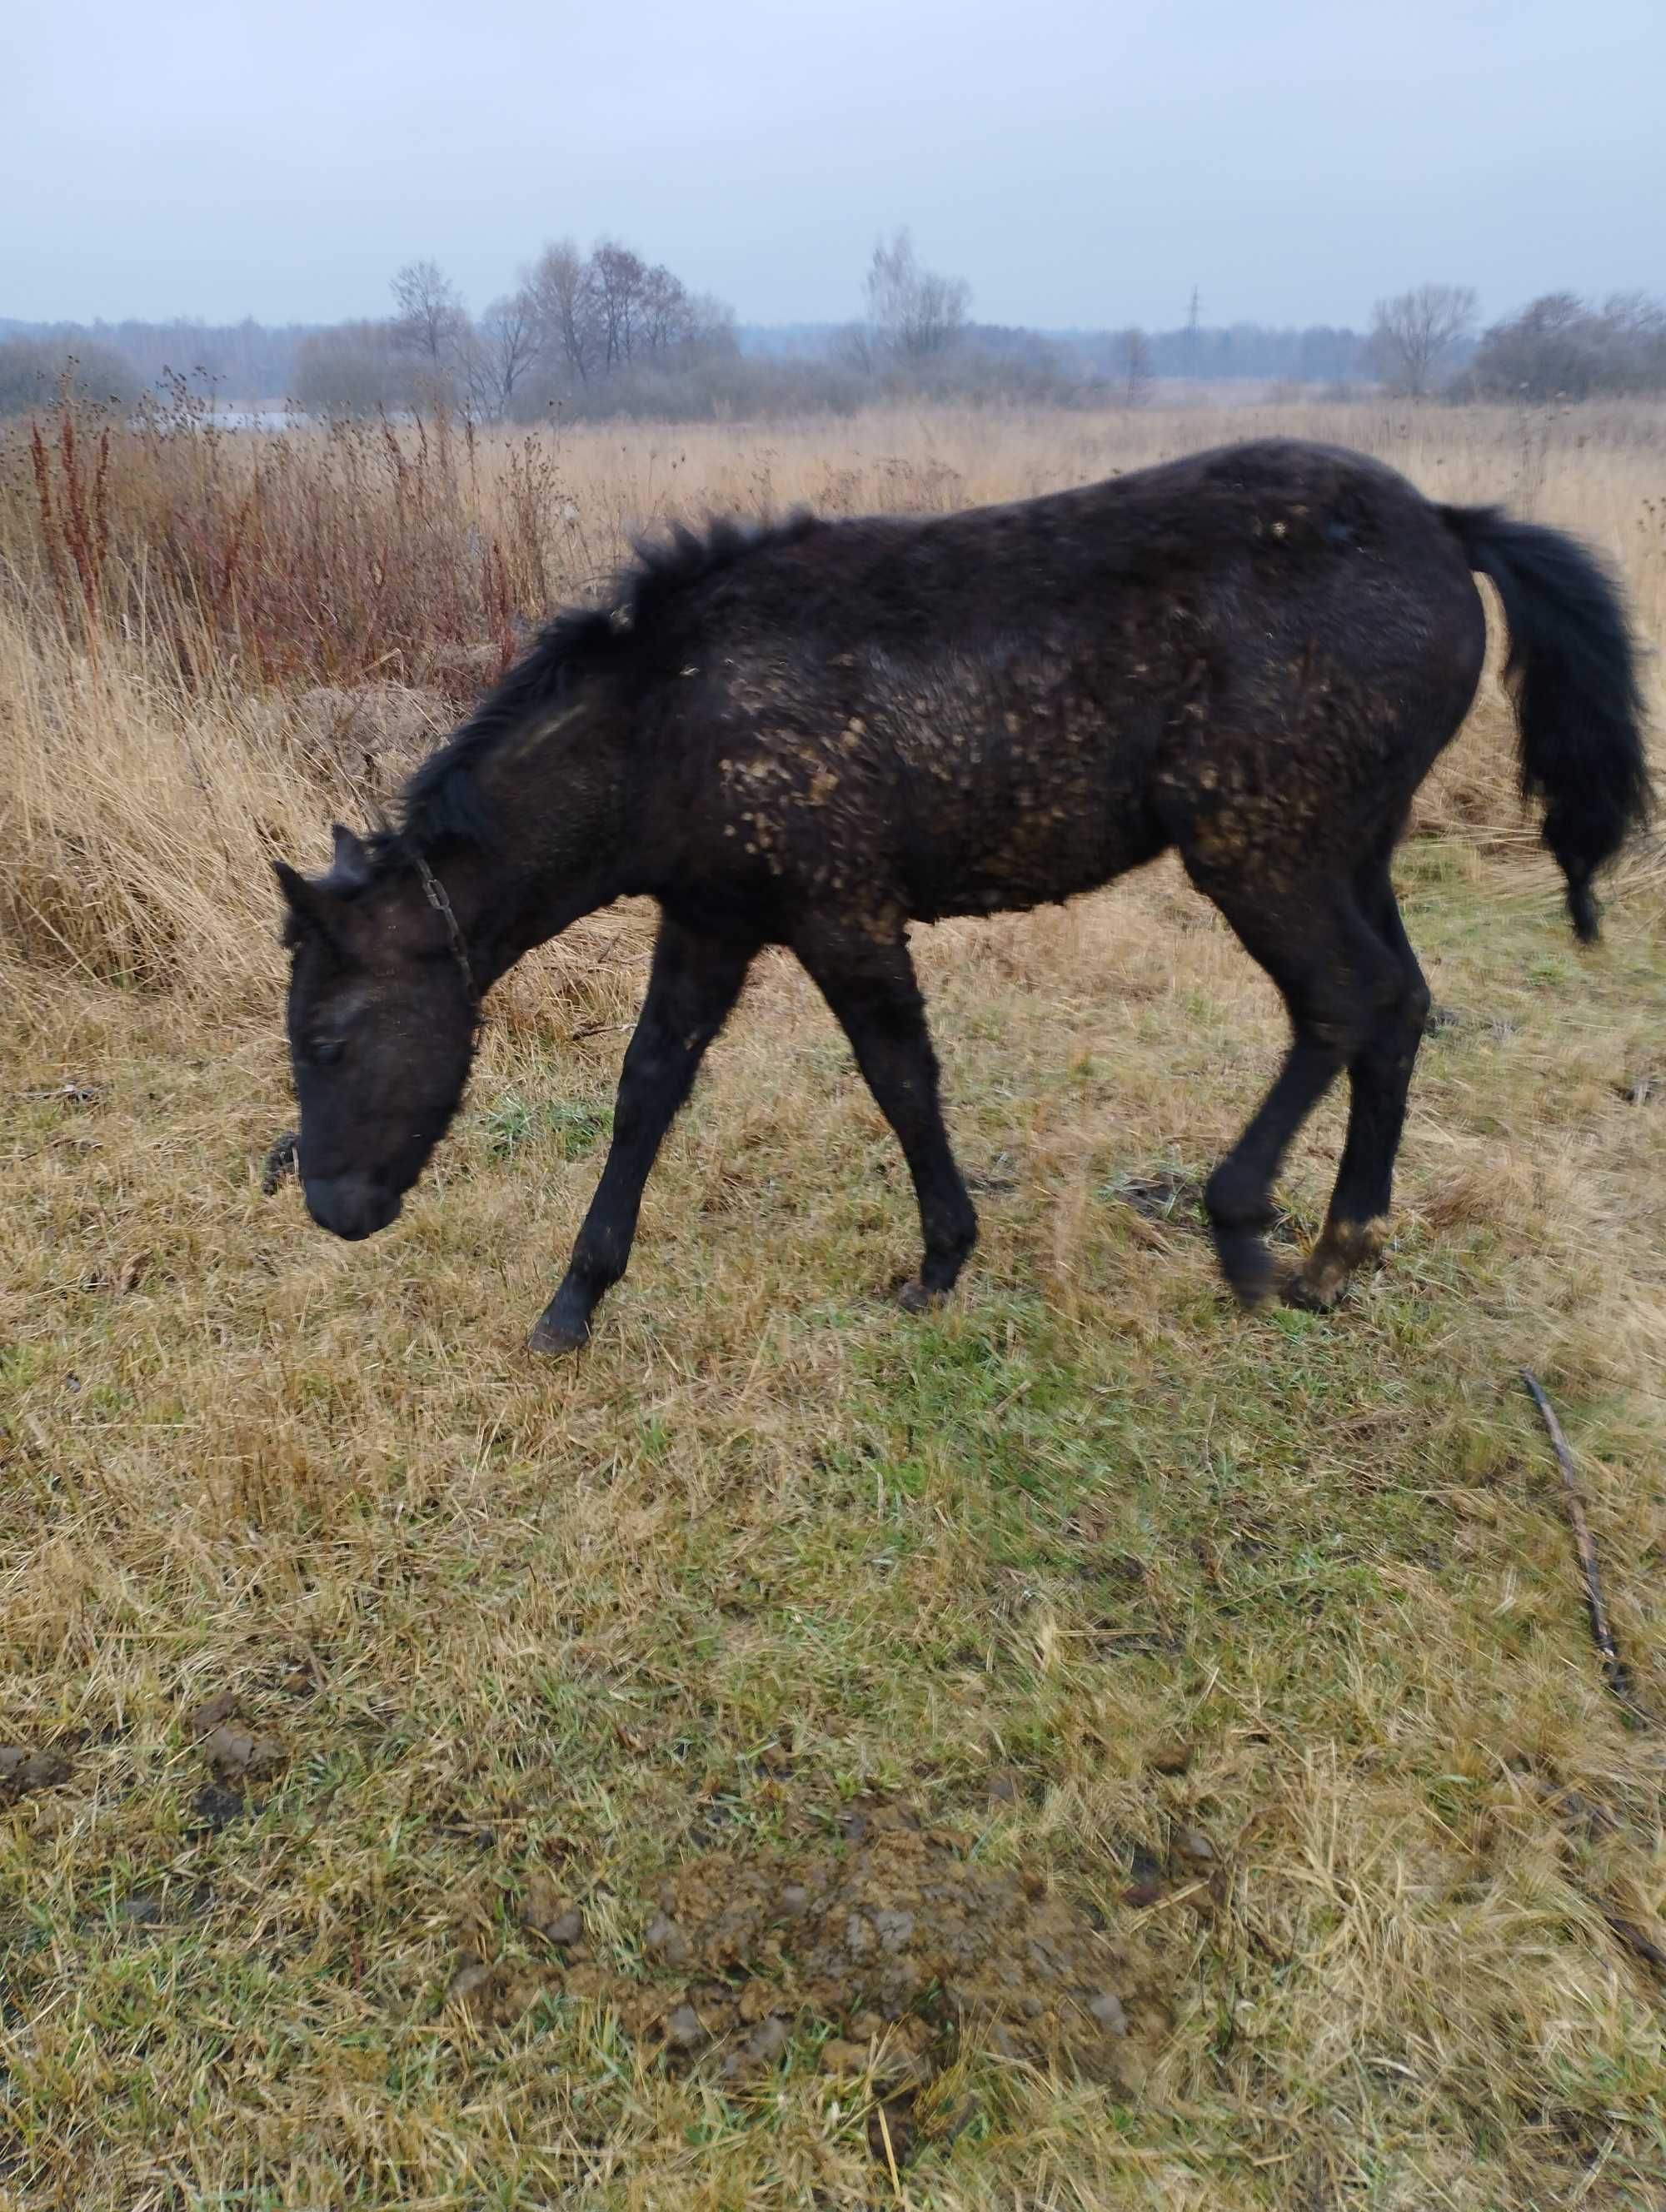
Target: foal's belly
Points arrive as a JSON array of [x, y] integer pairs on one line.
[[1027, 825]]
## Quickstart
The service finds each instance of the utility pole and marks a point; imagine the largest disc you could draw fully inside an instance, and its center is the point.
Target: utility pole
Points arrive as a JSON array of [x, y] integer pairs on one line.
[[1191, 336]]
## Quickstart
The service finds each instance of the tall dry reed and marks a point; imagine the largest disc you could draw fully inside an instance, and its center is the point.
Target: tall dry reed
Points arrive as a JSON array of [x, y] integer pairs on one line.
[[170, 590]]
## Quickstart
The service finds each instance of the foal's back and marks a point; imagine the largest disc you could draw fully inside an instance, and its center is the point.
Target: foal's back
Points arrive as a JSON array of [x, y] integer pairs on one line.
[[1242, 650]]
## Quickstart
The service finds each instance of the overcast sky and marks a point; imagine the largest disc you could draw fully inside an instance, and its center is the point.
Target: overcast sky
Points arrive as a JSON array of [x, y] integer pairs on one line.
[[1079, 161]]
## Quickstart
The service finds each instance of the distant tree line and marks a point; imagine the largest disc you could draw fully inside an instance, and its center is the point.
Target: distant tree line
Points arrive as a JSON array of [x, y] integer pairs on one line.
[[576, 330], [34, 369], [1559, 347], [607, 332], [1562, 347], [249, 361]]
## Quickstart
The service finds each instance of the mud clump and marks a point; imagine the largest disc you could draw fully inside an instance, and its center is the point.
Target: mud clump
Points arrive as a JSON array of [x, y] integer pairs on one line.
[[548, 1913], [216, 1808], [495, 1996], [203, 1719], [898, 1945], [23, 1771], [234, 1753]]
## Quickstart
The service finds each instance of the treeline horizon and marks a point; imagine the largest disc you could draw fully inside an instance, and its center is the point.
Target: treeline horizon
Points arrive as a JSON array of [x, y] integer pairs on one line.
[[253, 362], [606, 333]]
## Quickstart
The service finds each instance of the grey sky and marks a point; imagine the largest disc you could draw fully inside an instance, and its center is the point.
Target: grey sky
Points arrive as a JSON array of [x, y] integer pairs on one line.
[[1077, 163]]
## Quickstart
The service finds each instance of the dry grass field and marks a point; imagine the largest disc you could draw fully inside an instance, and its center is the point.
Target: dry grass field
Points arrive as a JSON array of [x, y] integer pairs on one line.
[[448, 1780]]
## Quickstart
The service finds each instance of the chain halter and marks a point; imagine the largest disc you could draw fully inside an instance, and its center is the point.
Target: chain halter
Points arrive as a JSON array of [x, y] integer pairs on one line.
[[435, 891]]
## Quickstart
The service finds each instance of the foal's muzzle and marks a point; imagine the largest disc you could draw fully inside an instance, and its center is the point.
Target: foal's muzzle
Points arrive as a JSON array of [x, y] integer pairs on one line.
[[349, 1206]]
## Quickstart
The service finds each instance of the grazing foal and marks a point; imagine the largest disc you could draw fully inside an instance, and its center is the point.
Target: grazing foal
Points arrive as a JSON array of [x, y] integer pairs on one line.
[[815, 734]]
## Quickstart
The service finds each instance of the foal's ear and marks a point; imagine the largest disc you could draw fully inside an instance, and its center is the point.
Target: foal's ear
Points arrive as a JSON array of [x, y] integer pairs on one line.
[[317, 902], [308, 903], [349, 865], [297, 892]]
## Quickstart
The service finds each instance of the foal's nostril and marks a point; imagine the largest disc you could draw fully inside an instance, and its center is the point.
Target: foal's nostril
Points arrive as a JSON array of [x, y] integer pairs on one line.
[[349, 1206]]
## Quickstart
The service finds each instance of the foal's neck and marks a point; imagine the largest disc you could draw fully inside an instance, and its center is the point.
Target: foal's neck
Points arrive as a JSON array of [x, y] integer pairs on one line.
[[551, 822]]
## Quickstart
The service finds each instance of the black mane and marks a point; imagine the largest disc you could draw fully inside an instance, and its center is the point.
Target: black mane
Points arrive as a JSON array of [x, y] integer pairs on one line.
[[440, 804]]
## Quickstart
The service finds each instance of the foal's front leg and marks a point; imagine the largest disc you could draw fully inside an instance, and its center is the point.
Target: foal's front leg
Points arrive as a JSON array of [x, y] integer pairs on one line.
[[869, 983], [695, 980]]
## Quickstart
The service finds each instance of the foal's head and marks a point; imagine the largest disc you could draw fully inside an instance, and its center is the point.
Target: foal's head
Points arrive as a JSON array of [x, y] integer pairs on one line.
[[382, 1017]]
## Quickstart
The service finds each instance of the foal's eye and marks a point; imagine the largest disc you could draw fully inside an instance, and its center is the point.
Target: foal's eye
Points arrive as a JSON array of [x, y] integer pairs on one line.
[[327, 1050]]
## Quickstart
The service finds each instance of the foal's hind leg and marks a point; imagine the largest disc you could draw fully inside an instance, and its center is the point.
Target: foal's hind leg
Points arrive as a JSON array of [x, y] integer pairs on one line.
[[869, 983], [695, 980], [1379, 1077], [1333, 971]]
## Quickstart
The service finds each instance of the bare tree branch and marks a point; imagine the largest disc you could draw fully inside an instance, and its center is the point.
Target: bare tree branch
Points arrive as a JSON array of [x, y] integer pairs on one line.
[[1614, 1666], [1412, 332], [914, 312]]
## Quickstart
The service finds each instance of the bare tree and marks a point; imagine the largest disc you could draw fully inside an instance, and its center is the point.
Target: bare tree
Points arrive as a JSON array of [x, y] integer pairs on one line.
[[666, 311], [594, 317], [1561, 347], [430, 315], [619, 277], [500, 352], [561, 285], [1412, 332], [914, 312]]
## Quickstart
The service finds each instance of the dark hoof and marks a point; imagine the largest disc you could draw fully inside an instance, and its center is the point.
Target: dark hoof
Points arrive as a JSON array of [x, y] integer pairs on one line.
[[555, 1338], [914, 1298], [1252, 1273], [1344, 1248], [1310, 1293]]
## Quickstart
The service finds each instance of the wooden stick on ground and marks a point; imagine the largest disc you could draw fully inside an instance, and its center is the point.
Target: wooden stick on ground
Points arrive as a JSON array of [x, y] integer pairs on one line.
[[1614, 1666]]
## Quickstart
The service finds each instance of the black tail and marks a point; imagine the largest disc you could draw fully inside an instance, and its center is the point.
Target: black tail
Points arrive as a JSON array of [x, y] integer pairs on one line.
[[1578, 711]]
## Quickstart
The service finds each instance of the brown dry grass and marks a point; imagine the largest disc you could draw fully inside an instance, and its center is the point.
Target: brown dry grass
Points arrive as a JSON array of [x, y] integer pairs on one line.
[[1299, 1585]]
